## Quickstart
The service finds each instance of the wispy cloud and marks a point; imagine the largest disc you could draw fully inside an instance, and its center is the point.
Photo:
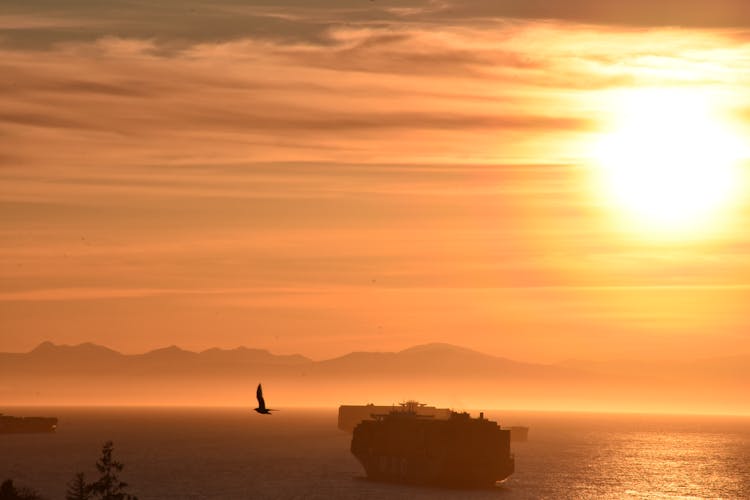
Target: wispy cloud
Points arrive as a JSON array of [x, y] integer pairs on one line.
[[265, 100]]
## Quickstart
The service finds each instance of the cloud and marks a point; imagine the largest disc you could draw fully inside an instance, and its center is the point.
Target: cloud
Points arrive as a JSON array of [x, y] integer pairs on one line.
[[39, 120], [84, 294], [637, 13], [453, 90], [176, 24]]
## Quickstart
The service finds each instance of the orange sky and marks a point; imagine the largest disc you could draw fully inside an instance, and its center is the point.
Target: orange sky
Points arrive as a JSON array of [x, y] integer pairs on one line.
[[355, 177]]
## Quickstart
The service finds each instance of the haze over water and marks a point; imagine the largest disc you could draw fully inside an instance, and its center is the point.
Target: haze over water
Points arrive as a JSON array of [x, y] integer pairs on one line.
[[230, 453]]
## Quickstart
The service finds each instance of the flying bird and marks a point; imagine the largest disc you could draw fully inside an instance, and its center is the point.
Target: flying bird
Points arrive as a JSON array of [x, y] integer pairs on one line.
[[262, 402]]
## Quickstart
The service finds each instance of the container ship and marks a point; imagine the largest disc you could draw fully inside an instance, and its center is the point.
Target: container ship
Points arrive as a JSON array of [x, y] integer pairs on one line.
[[459, 451], [23, 425]]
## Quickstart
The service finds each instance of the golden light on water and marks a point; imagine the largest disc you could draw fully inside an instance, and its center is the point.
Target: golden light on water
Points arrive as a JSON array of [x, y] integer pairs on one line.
[[671, 164]]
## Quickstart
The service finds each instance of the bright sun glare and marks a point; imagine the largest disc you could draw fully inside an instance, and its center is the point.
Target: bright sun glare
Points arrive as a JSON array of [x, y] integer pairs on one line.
[[670, 163]]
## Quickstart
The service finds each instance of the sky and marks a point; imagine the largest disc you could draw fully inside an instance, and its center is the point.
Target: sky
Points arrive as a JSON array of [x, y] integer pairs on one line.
[[334, 176]]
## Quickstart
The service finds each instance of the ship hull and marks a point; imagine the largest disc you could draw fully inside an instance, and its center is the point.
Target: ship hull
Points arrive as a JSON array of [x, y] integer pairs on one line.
[[432, 473], [27, 425], [519, 433], [459, 452]]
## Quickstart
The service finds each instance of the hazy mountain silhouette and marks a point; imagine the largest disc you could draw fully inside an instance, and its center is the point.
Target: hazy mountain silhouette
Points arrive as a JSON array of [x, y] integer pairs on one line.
[[436, 359], [439, 360], [53, 358], [441, 374]]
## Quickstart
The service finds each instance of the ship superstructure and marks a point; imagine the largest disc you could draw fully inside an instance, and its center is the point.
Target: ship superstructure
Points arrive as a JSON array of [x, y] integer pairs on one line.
[[351, 415]]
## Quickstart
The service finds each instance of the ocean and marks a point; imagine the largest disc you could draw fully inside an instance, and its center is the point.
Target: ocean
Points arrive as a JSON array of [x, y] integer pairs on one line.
[[190, 453]]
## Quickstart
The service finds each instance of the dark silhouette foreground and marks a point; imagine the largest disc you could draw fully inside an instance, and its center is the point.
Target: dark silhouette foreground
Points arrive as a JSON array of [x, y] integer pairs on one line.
[[78, 489], [9, 491], [262, 402], [107, 487]]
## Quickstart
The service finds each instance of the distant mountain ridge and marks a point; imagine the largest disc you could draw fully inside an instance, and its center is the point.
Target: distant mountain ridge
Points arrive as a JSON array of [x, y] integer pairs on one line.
[[422, 351], [437, 357], [89, 348], [428, 360], [436, 373]]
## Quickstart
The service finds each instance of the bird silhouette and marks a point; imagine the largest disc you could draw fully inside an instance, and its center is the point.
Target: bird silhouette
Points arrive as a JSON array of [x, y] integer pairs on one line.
[[262, 402]]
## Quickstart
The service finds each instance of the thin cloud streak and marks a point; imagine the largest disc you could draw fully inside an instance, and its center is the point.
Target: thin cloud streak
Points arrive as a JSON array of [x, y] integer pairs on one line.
[[77, 294]]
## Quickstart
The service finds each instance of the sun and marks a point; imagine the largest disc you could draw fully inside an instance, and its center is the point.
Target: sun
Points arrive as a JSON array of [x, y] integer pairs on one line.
[[670, 164]]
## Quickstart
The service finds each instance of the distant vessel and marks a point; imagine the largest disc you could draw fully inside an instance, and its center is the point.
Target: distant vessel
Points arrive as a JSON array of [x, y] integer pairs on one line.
[[22, 425], [519, 433], [460, 451], [351, 415]]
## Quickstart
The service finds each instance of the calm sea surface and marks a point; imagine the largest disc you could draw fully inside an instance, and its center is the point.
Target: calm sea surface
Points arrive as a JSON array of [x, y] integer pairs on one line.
[[232, 453]]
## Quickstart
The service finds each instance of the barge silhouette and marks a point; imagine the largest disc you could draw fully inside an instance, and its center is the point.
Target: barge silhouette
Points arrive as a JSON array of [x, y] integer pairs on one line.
[[24, 425], [459, 452], [519, 433]]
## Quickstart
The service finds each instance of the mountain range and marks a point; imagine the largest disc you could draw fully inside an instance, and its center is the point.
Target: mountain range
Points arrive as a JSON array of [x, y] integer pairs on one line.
[[438, 373]]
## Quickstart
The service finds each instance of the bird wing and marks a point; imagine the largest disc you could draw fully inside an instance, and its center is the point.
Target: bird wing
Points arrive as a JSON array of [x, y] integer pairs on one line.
[[259, 395]]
